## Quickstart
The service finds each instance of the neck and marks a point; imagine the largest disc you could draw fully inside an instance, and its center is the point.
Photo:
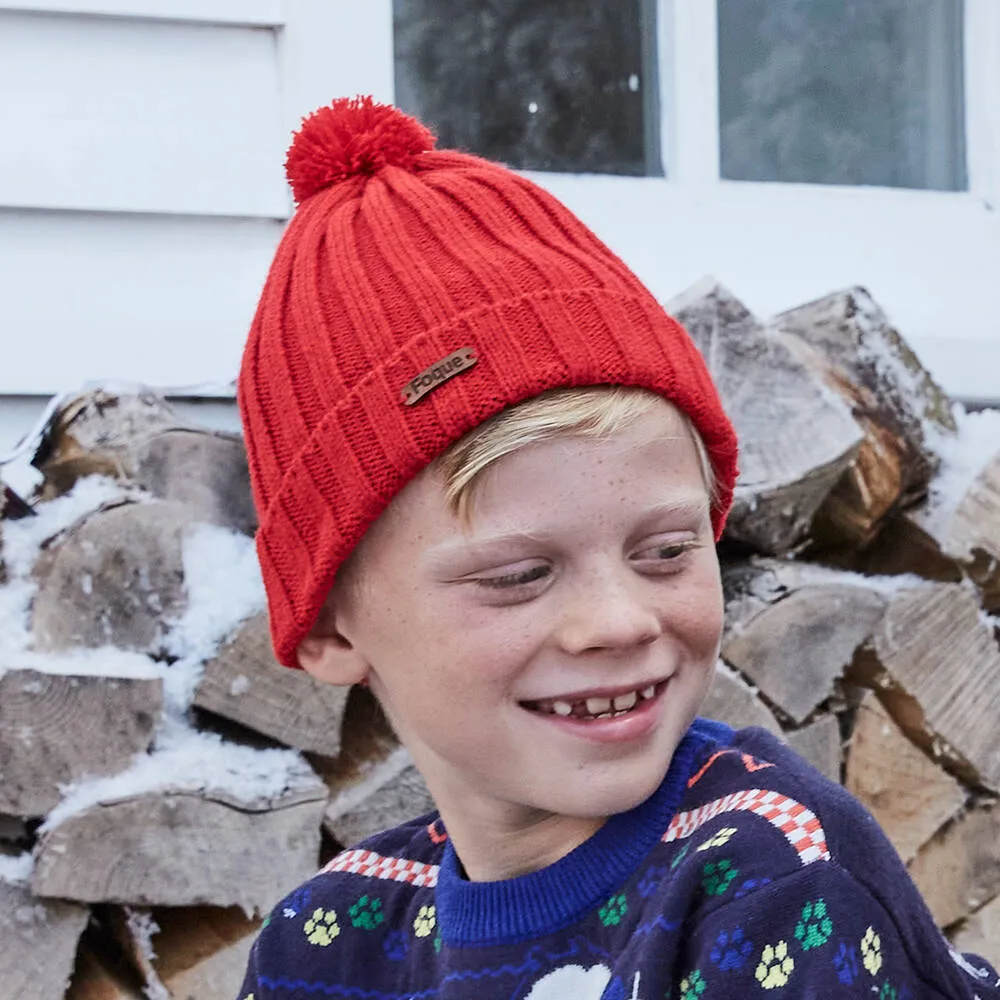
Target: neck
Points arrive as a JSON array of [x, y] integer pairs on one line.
[[512, 842]]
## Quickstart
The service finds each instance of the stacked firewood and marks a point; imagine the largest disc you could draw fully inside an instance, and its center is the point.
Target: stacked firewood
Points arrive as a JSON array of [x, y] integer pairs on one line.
[[165, 782]]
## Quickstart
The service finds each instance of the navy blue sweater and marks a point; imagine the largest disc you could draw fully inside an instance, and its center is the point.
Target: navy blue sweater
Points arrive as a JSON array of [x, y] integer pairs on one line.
[[746, 874]]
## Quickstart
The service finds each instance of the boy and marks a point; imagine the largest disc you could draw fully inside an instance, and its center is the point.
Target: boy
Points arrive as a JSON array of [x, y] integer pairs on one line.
[[490, 474]]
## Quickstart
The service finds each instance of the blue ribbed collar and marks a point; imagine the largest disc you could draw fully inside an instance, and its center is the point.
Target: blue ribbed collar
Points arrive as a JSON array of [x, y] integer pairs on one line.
[[529, 906]]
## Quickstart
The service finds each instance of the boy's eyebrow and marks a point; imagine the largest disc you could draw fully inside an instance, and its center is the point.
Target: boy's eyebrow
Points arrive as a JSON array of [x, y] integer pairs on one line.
[[693, 507]]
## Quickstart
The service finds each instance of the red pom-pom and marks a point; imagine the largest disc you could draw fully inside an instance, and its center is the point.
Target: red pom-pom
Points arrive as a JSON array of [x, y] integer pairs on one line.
[[352, 137]]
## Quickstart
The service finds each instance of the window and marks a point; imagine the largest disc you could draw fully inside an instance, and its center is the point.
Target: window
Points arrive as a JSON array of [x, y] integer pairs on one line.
[[565, 85], [842, 92]]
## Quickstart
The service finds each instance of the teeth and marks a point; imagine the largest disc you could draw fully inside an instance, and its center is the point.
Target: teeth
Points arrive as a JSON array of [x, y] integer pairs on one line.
[[625, 701], [599, 708]]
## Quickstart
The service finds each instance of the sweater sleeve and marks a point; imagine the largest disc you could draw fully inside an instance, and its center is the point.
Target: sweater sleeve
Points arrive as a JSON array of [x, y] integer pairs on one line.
[[251, 990], [818, 932]]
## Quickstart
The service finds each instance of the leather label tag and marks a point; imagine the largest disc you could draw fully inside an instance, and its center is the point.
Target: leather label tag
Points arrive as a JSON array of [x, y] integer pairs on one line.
[[429, 379]]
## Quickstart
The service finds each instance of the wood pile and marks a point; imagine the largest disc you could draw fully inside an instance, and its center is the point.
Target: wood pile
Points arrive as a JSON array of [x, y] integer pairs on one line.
[[161, 792]]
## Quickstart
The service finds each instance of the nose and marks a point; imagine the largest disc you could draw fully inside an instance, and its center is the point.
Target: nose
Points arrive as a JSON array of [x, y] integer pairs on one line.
[[609, 611]]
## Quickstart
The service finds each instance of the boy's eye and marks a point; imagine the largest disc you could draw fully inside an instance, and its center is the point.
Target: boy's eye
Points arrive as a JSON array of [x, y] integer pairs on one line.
[[665, 552], [518, 578]]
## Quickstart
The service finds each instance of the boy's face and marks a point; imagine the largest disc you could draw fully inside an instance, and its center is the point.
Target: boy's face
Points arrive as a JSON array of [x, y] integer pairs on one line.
[[547, 657]]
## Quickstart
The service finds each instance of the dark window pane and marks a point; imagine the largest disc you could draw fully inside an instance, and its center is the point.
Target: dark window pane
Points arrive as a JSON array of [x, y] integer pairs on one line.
[[539, 84], [842, 92]]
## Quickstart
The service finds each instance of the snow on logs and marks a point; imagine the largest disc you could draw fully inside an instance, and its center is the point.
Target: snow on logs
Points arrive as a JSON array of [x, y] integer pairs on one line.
[[184, 781]]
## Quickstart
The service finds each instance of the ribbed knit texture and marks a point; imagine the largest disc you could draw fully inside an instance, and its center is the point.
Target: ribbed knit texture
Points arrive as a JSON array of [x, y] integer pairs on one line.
[[404, 258], [493, 913], [751, 875]]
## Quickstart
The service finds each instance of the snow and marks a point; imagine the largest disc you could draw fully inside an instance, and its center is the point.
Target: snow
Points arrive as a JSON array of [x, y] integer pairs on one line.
[[875, 346], [239, 685], [22, 541], [143, 928], [23, 538], [963, 457], [17, 870], [224, 587], [106, 661], [190, 762]]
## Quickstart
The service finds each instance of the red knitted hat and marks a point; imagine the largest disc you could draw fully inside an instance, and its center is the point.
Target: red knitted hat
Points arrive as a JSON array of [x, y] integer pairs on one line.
[[415, 293]]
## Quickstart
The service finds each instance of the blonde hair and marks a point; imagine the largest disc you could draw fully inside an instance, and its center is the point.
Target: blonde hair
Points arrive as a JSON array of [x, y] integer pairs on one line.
[[591, 411]]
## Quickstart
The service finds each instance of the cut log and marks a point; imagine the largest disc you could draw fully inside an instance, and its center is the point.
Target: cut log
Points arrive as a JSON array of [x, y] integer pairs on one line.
[[12, 506], [13, 830], [366, 737], [92, 435], [959, 870], [56, 729], [373, 783], [797, 438], [980, 934], [390, 792], [938, 667], [39, 939], [965, 528], [819, 744], [141, 440], [95, 980], [114, 578], [793, 630], [732, 701], [909, 795], [3, 507], [245, 683], [194, 953], [893, 398], [183, 849], [902, 548], [204, 470]]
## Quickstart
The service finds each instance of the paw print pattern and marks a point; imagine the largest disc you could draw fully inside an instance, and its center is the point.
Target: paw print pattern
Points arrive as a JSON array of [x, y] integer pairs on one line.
[[649, 882], [366, 913], [322, 927], [717, 876], [613, 910], [425, 921], [775, 966], [692, 986], [750, 885], [815, 926], [719, 840], [871, 951], [846, 963], [297, 902], [731, 950], [394, 946]]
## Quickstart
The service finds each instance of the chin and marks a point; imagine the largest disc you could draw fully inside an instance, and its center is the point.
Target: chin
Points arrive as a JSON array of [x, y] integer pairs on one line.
[[617, 795]]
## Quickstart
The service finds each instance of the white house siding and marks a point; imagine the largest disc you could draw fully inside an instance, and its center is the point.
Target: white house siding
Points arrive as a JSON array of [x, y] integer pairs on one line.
[[141, 193]]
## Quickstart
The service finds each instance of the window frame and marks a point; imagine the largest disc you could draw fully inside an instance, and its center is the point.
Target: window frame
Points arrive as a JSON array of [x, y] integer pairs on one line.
[[942, 303]]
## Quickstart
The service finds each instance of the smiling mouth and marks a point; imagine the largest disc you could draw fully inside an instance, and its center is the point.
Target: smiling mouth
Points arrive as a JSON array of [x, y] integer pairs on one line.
[[596, 707]]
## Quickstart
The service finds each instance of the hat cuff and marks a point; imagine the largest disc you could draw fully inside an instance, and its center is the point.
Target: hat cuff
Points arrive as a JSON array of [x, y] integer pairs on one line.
[[368, 446]]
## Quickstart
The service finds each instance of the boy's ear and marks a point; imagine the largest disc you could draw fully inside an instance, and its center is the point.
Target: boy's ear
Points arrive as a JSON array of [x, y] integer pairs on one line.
[[328, 655]]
